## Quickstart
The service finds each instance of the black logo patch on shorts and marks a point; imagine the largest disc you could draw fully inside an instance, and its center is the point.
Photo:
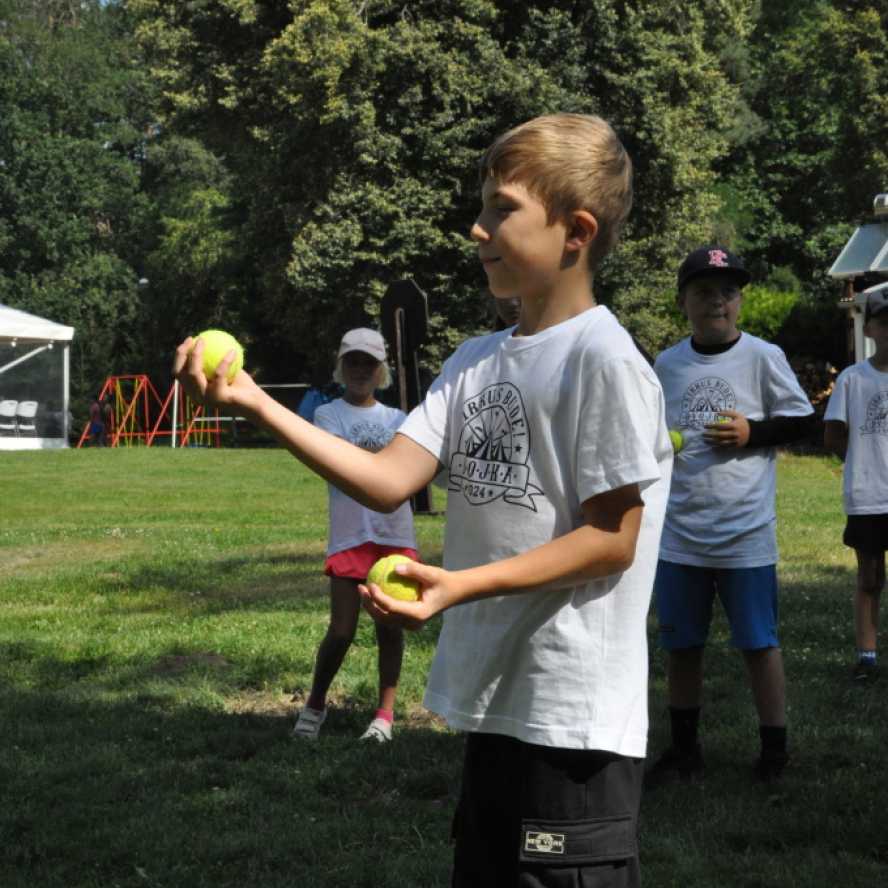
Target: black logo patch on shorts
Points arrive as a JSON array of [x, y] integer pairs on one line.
[[544, 842]]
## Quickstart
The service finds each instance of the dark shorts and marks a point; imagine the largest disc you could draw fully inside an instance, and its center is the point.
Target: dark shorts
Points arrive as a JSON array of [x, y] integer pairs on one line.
[[867, 533], [536, 817], [685, 594]]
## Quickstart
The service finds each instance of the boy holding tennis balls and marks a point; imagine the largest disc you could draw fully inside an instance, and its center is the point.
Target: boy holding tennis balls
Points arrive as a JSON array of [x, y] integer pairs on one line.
[[554, 442], [733, 398]]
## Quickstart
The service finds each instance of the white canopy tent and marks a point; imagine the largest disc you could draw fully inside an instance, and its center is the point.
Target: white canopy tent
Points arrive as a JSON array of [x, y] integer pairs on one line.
[[34, 381]]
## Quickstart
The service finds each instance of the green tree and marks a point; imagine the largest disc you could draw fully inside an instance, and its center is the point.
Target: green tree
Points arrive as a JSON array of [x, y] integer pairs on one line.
[[271, 166], [69, 187], [108, 221], [794, 192], [351, 132], [188, 252]]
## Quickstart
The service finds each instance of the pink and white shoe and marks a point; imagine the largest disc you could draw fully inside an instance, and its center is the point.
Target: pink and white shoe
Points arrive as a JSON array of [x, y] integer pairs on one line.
[[379, 730]]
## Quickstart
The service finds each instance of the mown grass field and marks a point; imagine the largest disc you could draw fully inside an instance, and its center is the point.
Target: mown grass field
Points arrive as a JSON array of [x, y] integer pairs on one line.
[[160, 609]]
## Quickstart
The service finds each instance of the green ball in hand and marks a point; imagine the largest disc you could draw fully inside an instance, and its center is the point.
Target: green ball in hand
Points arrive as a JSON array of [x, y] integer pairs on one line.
[[217, 344], [677, 440], [383, 575]]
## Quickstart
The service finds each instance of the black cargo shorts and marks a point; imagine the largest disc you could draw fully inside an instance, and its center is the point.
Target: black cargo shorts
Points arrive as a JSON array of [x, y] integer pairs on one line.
[[539, 817]]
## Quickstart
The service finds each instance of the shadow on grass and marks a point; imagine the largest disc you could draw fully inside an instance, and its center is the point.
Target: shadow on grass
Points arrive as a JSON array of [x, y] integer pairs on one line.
[[821, 825], [217, 585], [136, 772], [293, 582], [150, 791], [181, 666]]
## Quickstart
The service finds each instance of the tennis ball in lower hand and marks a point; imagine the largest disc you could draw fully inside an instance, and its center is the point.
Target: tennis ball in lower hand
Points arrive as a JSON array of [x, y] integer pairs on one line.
[[383, 575], [677, 439], [217, 344]]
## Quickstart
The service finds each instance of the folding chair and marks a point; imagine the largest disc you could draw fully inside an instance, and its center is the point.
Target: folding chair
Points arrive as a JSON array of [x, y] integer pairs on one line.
[[7, 417], [25, 413]]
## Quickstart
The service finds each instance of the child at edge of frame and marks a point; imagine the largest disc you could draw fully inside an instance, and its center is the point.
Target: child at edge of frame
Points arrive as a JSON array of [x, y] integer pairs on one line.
[[358, 536], [558, 459], [734, 398], [855, 429]]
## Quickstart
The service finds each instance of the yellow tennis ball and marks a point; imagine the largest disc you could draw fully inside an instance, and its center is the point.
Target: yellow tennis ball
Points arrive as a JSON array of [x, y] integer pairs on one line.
[[383, 575], [677, 440], [723, 419], [217, 344]]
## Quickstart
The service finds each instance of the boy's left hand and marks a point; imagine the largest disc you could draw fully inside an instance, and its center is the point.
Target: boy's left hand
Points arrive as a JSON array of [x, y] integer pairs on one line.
[[438, 591], [732, 432]]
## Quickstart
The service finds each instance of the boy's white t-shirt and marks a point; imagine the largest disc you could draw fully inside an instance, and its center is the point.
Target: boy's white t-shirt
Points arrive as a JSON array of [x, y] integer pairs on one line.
[[352, 524], [860, 400], [529, 428], [721, 505]]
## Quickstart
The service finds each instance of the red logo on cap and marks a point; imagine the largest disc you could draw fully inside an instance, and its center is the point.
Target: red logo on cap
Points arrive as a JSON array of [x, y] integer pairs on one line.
[[718, 258]]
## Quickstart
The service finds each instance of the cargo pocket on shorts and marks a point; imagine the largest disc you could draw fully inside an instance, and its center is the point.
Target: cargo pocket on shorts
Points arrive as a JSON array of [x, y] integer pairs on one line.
[[588, 847]]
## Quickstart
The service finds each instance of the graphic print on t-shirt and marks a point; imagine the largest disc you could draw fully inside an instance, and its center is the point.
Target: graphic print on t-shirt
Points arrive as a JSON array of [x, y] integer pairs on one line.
[[494, 444], [703, 400], [370, 435], [876, 416]]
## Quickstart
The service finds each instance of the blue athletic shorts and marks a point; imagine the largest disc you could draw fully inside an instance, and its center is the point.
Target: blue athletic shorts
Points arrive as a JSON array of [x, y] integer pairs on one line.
[[684, 596]]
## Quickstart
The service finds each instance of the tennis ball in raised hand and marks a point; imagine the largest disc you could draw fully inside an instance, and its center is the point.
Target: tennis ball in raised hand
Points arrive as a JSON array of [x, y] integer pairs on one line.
[[217, 344], [677, 440], [721, 420], [383, 575]]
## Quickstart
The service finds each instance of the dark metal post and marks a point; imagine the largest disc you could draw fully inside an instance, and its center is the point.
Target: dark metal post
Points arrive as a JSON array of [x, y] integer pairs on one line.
[[404, 317]]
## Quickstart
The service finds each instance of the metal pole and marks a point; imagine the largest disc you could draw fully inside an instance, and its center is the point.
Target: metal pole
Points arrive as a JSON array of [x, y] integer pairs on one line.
[[175, 409], [66, 380], [400, 358]]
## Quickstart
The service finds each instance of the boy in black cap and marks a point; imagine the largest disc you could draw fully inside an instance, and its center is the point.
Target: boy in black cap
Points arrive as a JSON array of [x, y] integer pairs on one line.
[[734, 398], [856, 429]]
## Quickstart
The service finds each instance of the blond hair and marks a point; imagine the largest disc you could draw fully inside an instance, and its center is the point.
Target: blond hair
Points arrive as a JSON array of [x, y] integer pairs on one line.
[[385, 378], [568, 162]]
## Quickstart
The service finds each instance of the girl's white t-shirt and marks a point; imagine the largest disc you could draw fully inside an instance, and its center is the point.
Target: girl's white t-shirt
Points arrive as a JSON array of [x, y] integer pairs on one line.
[[721, 506], [352, 524], [860, 400], [529, 428]]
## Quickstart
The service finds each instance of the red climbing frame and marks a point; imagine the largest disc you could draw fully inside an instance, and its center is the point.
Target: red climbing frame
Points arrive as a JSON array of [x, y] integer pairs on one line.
[[140, 416]]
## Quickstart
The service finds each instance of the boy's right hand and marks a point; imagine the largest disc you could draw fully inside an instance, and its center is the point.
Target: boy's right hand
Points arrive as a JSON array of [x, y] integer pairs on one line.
[[242, 392], [731, 430], [438, 591]]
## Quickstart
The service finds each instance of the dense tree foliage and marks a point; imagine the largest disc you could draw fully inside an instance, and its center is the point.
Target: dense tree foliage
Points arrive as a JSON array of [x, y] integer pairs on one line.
[[353, 132], [818, 85], [272, 166], [68, 191]]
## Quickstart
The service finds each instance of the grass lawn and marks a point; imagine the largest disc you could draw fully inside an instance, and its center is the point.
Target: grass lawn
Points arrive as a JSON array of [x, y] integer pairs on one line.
[[159, 609]]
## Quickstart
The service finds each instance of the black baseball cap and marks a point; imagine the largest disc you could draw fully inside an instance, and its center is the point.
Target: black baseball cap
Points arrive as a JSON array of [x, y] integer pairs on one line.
[[712, 259]]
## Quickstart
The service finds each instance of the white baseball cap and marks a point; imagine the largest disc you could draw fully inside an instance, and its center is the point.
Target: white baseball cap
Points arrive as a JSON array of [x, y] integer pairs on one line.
[[363, 339], [876, 299]]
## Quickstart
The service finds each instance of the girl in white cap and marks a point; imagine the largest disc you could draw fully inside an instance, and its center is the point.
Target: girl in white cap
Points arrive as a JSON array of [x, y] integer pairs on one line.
[[358, 536]]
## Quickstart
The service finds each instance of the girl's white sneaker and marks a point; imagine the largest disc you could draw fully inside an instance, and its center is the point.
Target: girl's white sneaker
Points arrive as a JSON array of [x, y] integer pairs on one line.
[[308, 723]]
